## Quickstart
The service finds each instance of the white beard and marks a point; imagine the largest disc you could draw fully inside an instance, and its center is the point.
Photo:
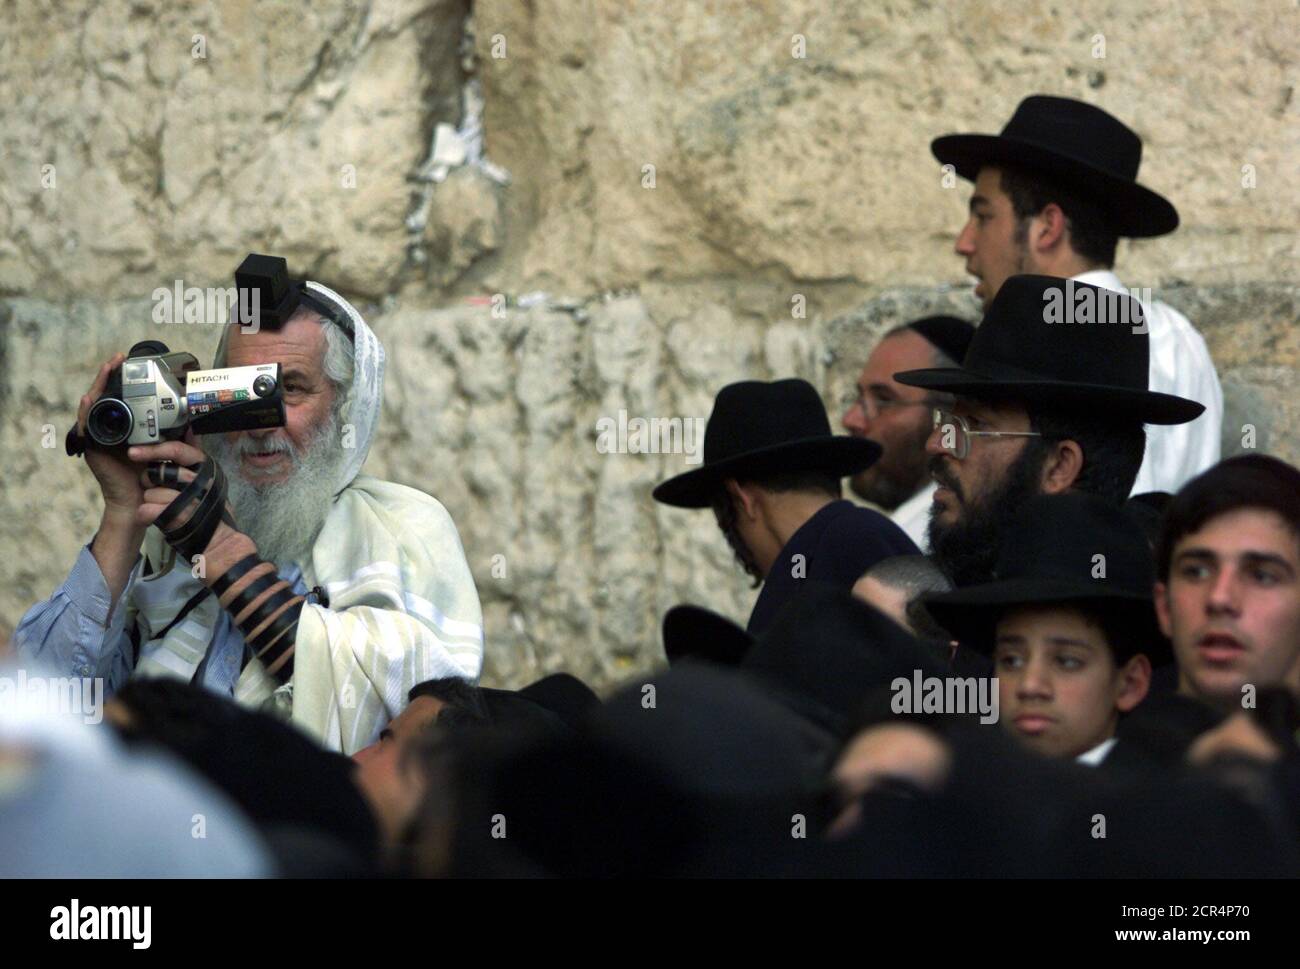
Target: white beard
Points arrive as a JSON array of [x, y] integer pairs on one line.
[[283, 519]]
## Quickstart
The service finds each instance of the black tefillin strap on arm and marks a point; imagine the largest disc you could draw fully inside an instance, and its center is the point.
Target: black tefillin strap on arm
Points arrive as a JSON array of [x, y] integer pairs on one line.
[[167, 474], [189, 523], [274, 644], [191, 520]]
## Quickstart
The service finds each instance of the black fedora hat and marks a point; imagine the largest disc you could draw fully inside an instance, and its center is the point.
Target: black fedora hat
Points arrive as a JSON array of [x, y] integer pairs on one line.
[[693, 632], [565, 695], [1096, 355], [511, 710], [826, 650], [1078, 144], [758, 427], [1049, 555], [823, 653]]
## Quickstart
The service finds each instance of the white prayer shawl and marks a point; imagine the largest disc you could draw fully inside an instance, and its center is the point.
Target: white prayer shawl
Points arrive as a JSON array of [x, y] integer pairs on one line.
[[402, 605]]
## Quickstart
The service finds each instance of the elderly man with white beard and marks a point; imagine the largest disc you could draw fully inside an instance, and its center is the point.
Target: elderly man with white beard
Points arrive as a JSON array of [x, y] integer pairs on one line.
[[329, 597]]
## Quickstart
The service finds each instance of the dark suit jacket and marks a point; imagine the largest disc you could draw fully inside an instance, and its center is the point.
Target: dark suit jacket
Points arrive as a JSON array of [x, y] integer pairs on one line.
[[1155, 737], [838, 544]]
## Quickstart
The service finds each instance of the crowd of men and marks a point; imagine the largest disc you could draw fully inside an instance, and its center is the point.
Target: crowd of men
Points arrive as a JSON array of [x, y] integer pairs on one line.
[[1060, 638]]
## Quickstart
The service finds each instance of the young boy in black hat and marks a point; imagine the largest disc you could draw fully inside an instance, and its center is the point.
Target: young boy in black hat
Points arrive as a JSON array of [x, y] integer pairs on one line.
[[1069, 622], [771, 473]]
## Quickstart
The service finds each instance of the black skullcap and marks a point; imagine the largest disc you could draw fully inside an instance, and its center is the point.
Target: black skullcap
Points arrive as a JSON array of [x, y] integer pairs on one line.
[[947, 333]]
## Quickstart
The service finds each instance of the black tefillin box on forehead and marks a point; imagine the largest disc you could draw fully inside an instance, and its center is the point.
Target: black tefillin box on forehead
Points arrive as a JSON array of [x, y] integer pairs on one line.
[[268, 297]]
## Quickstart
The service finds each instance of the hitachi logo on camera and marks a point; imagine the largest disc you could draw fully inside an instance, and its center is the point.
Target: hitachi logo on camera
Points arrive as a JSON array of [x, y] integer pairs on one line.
[[210, 305], [1089, 304]]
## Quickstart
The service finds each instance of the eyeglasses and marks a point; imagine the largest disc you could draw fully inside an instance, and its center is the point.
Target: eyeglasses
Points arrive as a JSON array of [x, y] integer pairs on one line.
[[955, 433], [872, 406]]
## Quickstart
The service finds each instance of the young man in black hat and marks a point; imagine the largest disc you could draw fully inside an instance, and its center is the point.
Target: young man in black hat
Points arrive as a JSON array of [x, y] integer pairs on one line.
[[1069, 623], [897, 417], [771, 474], [1051, 397], [1053, 193]]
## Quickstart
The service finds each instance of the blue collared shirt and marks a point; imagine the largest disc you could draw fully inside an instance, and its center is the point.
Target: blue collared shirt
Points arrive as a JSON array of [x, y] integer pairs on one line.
[[73, 632]]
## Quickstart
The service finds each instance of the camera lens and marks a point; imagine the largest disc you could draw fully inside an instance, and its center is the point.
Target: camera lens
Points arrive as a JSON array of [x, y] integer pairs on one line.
[[264, 386], [149, 348], [109, 422]]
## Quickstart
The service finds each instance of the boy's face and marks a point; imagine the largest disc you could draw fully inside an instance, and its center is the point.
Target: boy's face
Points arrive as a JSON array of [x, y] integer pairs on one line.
[[1231, 606], [1059, 689], [391, 785]]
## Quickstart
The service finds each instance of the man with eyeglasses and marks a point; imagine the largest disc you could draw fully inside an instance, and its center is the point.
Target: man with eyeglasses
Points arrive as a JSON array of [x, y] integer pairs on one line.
[[1051, 397], [898, 417]]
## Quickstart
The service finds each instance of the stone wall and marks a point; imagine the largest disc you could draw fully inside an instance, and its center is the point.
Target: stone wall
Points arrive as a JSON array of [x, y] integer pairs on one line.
[[477, 181]]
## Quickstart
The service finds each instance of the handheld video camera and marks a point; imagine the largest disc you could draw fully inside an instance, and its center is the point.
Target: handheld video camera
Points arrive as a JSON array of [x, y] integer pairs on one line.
[[146, 403], [156, 394]]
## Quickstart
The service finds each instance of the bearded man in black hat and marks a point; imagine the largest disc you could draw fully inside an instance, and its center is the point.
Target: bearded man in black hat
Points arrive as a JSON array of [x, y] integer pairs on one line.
[[771, 474], [1051, 397], [1053, 193]]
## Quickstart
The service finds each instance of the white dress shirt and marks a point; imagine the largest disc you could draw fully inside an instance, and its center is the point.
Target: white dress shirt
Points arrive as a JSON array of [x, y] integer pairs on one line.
[[913, 515], [1094, 757], [1180, 365]]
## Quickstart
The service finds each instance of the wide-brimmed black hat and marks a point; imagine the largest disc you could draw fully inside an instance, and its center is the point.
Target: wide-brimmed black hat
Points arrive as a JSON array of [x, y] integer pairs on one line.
[[826, 650], [1078, 145], [693, 632], [822, 654], [1049, 555], [1063, 343], [565, 695], [511, 710], [758, 427]]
